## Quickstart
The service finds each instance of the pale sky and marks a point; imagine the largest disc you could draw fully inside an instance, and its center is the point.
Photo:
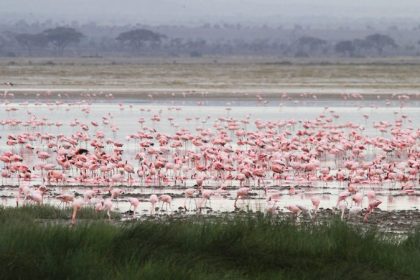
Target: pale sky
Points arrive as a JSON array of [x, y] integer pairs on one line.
[[183, 11]]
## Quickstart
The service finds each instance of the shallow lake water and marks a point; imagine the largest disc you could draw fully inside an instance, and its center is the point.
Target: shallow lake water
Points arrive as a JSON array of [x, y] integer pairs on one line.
[[119, 119]]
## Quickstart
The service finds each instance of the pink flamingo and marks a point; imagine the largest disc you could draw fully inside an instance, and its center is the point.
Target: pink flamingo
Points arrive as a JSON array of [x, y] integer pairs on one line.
[[166, 200], [134, 202], [153, 200], [374, 203], [65, 198], [190, 195], [242, 193], [315, 203], [77, 205], [294, 209]]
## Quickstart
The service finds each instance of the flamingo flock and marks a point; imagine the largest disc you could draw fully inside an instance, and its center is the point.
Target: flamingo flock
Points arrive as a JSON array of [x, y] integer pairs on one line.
[[206, 157]]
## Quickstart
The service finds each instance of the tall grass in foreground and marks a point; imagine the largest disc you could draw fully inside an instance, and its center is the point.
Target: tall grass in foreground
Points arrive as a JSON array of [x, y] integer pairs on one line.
[[244, 247]]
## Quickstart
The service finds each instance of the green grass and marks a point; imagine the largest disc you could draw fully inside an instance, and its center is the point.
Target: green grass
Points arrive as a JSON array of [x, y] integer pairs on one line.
[[244, 247]]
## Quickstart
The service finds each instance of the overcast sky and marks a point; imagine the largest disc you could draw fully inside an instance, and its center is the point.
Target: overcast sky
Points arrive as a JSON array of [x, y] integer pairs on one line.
[[196, 11]]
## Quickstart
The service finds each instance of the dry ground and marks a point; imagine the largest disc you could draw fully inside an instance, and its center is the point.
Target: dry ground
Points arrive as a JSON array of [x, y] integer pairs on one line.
[[218, 77]]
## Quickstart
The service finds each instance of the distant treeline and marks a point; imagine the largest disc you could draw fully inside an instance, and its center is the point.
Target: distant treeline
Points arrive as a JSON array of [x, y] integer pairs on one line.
[[47, 39]]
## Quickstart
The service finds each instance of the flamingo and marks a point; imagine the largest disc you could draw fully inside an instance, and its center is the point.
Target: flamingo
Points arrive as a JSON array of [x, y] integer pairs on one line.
[[134, 202], [65, 198], [315, 203], [166, 200], [78, 203], [242, 193], [373, 203], [190, 195]]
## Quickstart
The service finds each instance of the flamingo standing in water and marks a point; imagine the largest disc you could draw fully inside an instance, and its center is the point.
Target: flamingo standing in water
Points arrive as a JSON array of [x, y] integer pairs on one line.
[[37, 196], [105, 205], [242, 193], [24, 191], [77, 205], [134, 202], [153, 200], [315, 203], [374, 203], [294, 210], [205, 196], [342, 197], [65, 199], [190, 195], [357, 199], [166, 200]]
